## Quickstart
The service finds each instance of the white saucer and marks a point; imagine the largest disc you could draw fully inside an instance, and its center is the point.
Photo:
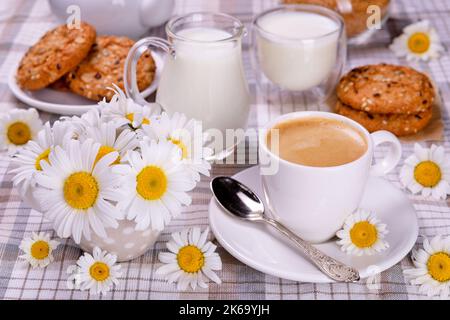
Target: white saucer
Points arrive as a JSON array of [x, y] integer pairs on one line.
[[68, 103], [265, 250]]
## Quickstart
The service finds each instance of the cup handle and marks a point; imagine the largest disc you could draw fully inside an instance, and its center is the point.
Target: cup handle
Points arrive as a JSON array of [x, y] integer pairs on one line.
[[130, 81], [392, 157]]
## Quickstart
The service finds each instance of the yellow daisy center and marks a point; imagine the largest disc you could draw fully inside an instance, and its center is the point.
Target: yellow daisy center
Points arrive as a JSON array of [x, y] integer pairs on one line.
[[80, 190], [103, 151], [19, 133], [363, 234], [130, 117], [181, 145], [40, 250], [190, 259], [99, 271], [428, 174], [43, 156], [439, 266], [151, 183], [419, 42]]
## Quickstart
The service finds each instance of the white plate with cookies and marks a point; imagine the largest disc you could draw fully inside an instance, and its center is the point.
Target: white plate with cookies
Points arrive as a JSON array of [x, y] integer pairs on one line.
[[69, 69], [65, 102]]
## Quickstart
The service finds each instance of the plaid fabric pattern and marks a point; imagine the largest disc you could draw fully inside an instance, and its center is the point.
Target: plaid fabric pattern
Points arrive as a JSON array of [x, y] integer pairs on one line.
[[22, 22]]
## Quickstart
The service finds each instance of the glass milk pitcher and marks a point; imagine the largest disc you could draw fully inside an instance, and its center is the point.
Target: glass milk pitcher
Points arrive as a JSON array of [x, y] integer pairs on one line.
[[203, 75]]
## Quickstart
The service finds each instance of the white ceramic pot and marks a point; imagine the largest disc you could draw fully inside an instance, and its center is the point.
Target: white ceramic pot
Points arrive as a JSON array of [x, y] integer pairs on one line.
[[29, 199], [131, 18], [125, 242]]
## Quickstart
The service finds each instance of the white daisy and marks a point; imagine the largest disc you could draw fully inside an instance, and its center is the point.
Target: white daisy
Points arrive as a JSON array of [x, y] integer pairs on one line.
[[427, 171], [17, 127], [374, 277], [77, 195], [30, 156], [96, 273], [92, 118], [362, 234], [73, 280], [419, 41], [187, 135], [124, 111], [38, 249], [191, 260], [156, 183], [107, 134], [432, 267]]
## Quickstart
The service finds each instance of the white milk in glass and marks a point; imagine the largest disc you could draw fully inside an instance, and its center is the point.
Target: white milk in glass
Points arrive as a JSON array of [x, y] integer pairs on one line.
[[298, 50], [205, 80]]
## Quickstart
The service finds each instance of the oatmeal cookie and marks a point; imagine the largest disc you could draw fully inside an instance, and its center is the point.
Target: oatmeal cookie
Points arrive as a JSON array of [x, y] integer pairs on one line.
[[356, 19], [386, 89], [104, 66], [60, 85], [398, 124], [56, 53]]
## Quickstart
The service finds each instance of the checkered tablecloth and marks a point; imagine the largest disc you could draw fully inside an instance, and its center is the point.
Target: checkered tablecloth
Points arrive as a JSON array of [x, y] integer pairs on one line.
[[22, 22]]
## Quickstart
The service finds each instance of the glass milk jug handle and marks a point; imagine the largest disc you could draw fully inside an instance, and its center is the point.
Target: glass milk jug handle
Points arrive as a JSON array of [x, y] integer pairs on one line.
[[130, 81]]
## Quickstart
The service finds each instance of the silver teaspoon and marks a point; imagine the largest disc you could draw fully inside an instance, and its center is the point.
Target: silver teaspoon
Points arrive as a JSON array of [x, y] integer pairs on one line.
[[239, 201]]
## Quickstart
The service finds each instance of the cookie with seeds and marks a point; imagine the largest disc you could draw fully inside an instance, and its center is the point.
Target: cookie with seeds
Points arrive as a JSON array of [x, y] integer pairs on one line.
[[354, 12], [56, 53], [104, 66], [398, 124], [387, 89], [60, 85]]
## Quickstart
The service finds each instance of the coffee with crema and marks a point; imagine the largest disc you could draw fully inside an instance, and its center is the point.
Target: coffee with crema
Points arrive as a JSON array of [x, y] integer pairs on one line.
[[317, 142]]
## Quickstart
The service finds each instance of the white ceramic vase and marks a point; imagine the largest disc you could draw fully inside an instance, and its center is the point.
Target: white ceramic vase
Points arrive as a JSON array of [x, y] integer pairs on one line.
[[125, 242]]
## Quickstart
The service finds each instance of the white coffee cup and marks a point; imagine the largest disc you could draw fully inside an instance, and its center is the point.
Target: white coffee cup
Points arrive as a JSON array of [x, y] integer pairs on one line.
[[315, 201]]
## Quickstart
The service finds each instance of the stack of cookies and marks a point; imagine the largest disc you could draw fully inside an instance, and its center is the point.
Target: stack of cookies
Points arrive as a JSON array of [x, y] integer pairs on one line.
[[76, 59], [354, 12], [398, 99]]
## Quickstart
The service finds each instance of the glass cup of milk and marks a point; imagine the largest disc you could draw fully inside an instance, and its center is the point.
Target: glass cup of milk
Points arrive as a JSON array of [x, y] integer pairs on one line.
[[299, 48], [203, 75]]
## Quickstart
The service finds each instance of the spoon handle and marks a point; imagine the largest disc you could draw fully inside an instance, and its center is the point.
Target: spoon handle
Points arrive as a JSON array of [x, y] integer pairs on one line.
[[331, 267]]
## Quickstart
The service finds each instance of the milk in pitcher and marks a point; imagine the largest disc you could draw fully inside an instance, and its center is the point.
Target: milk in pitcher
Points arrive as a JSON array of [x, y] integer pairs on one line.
[[205, 79]]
